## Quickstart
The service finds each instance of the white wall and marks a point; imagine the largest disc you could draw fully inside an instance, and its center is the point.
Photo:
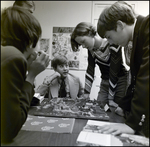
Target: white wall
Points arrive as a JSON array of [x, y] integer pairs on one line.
[[69, 13], [142, 7], [6, 4], [61, 14]]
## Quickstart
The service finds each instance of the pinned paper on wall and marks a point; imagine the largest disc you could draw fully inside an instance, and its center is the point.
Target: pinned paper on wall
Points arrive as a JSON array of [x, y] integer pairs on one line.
[[45, 46], [61, 45]]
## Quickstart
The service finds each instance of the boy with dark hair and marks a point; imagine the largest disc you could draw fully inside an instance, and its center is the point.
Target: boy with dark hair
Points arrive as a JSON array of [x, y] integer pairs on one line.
[[29, 5], [120, 25], [20, 33], [61, 83]]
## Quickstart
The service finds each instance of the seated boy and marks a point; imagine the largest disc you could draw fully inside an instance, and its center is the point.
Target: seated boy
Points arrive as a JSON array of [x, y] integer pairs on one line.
[[61, 83]]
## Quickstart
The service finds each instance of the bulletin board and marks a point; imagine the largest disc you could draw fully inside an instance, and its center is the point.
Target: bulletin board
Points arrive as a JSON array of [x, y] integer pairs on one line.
[[61, 46]]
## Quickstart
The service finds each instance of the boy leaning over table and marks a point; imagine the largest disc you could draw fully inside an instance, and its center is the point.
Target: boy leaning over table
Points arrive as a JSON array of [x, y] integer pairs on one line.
[[120, 25]]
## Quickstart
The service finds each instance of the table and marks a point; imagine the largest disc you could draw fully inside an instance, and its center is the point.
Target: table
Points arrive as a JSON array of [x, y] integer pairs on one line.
[[36, 138]]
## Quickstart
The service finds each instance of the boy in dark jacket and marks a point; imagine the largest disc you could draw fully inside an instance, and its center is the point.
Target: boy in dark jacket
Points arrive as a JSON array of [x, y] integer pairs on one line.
[[119, 24]]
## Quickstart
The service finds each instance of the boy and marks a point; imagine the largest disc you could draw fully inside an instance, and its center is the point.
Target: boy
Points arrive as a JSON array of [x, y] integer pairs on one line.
[[20, 33], [119, 24], [113, 73], [61, 83]]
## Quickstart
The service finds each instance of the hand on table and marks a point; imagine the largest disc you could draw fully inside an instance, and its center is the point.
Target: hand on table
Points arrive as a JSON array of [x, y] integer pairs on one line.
[[116, 129], [86, 96], [111, 101], [119, 111]]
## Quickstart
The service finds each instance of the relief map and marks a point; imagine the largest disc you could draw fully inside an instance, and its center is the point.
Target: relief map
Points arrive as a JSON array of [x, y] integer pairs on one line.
[[71, 108]]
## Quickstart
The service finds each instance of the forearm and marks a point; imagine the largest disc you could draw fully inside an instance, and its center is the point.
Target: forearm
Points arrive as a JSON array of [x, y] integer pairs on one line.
[[42, 89]]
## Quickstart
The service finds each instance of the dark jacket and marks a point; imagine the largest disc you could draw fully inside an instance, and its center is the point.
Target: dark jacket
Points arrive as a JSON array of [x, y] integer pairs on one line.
[[16, 93], [136, 101]]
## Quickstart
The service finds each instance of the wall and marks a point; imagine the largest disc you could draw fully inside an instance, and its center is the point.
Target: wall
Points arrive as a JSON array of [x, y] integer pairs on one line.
[[61, 14], [68, 13]]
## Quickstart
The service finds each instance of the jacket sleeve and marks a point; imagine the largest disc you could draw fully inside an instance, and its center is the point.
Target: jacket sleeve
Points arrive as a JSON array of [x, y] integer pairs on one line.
[[16, 96], [138, 118], [43, 89], [89, 76]]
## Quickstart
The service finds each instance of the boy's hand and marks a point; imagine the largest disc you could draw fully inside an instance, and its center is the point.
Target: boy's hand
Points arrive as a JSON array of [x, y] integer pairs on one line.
[[87, 96], [119, 111], [31, 58], [36, 64], [116, 129]]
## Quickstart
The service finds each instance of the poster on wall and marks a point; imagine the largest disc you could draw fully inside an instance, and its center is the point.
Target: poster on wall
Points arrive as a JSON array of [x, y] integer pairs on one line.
[[44, 45], [61, 46]]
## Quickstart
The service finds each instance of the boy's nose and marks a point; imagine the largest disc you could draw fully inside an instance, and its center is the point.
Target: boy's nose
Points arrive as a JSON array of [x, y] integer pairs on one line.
[[83, 46], [65, 67]]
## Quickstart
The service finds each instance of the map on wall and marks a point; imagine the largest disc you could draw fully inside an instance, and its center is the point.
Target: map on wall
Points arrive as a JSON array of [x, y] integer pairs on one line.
[[61, 46]]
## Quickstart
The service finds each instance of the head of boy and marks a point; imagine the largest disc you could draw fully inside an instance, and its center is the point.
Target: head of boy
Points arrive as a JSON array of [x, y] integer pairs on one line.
[[29, 5], [116, 23], [60, 64], [83, 35], [19, 28]]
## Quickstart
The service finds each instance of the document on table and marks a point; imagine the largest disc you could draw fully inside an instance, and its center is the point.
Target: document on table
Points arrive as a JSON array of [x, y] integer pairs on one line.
[[90, 135], [98, 139], [135, 138]]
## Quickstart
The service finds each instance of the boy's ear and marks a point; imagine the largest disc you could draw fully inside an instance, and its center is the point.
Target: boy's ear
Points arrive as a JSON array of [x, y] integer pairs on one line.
[[120, 25]]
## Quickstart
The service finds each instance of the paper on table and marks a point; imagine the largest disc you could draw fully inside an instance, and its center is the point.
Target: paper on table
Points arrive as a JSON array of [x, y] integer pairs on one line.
[[137, 138], [90, 135], [98, 139], [99, 123], [49, 124]]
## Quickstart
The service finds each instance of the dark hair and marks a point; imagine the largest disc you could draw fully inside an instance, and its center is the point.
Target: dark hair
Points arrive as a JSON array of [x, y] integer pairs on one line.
[[19, 28], [110, 15], [82, 29], [28, 4], [59, 60]]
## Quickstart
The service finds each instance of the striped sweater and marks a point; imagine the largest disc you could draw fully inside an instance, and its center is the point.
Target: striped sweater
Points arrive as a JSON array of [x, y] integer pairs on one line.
[[110, 64]]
